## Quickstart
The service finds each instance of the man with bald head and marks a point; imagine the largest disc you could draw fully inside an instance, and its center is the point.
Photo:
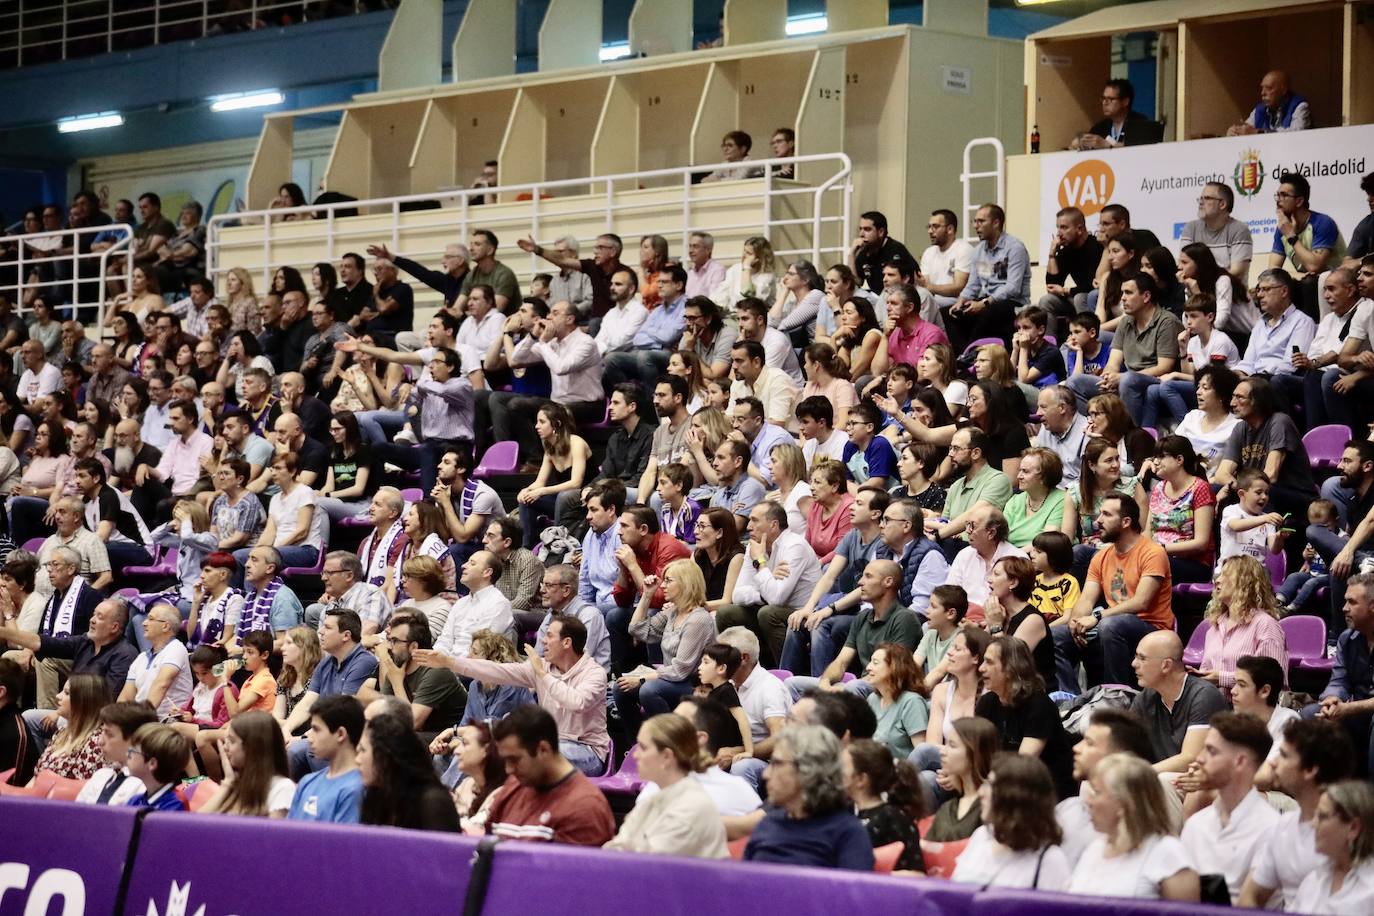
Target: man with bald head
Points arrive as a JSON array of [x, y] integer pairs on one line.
[[109, 378], [384, 545], [314, 414], [1174, 706], [295, 330], [392, 309], [1279, 110], [312, 457]]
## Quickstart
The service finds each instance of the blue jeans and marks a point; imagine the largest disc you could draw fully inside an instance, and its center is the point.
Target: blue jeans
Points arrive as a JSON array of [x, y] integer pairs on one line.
[[1085, 387], [1106, 657], [1301, 587], [1168, 399], [378, 426], [1327, 544], [529, 515], [423, 457], [643, 366], [582, 757], [1133, 386], [624, 654], [751, 771], [654, 697], [926, 759], [812, 651]]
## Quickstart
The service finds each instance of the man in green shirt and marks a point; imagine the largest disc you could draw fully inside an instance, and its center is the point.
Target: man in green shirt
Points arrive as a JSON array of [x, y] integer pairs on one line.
[[981, 485], [488, 271], [437, 698]]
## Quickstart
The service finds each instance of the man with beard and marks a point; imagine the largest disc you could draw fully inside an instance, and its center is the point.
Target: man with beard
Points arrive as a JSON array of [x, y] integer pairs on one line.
[[435, 696], [1130, 579], [981, 485], [468, 504], [669, 445], [128, 453], [1352, 491]]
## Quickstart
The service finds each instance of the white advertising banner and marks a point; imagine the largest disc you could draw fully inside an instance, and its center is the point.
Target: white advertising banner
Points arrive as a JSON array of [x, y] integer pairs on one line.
[[1160, 184]]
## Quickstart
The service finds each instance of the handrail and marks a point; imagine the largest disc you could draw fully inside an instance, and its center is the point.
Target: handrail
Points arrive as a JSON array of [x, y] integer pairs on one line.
[[15, 291], [26, 24], [457, 202], [967, 176]]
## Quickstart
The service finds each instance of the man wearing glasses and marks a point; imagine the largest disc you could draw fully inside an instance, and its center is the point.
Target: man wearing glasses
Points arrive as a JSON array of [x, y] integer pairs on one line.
[[1283, 331], [604, 264], [161, 675], [1177, 727], [1120, 125], [346, 586], [1309, 240], [1228, 238], [436, 697]]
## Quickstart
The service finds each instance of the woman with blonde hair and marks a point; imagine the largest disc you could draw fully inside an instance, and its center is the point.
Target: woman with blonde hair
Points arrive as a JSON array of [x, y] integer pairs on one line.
[[793, 492], [682, 629], [827, 376], [75, 752], [300, 654], [1344, 834], [189, 534], [679, 819], [256, 781], [993, 364], [564, 467], [1136, 854], [752, 275], [493, 701], [936, 369], [1244, 618], [709, 427]]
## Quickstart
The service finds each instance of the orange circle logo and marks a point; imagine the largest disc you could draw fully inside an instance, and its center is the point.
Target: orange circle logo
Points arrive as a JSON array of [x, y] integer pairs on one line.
[[1087, 186]]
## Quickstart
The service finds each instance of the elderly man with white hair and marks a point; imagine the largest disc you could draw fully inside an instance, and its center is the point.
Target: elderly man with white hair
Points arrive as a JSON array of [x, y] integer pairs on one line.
[[570, 285]]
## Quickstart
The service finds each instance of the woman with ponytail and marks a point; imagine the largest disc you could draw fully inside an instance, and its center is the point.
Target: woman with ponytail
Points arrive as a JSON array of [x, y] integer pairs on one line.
[[887, 797], [828, 377]]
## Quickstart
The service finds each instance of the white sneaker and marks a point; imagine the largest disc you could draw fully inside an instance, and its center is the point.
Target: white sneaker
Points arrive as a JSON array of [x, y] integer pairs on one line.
[[406, 435]]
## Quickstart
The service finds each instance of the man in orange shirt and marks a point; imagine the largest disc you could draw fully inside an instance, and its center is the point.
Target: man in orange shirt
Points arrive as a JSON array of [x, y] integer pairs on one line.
[[1126, 597]]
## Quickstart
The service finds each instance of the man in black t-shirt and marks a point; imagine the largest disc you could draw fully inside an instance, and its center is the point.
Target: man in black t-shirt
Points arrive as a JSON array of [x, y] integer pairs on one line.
[[1074, 256], [353, 293], [874, 248], [392, 309], [312, 458], [599, 269], [112, 517]]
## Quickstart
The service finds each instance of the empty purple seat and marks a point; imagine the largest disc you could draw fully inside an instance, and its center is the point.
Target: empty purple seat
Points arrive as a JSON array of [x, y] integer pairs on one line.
[[625, 781], [781, 674], [1277, 564], [1306, 638], [500, 458], [1325, 444], [412, 495], [1192, 655], [164, 564]]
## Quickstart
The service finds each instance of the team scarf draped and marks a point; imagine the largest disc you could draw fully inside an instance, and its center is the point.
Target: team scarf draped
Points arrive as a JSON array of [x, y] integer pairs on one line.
[[375, 560], [210, 623], [258, 611], [59, 624]]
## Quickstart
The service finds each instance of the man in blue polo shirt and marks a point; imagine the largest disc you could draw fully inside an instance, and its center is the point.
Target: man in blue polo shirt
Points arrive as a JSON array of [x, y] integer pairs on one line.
[[1311, 241], [334, 794], [345, 667]]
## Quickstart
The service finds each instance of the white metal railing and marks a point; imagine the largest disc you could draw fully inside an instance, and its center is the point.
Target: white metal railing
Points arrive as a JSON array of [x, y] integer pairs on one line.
[[967, 176], [457, 216], [47, 30], [63, 270]]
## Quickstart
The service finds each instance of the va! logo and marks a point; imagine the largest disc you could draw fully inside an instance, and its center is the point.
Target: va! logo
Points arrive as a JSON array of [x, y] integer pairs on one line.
[[1249, 174], [177, 898], [1087, 186], [50, 886]]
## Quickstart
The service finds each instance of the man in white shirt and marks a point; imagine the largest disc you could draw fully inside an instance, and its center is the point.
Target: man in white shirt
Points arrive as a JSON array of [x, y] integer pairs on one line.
[[987, 543], [576, 369], [780, 571], [1224, 838], [1109, 731], [1356, 359], [1313, 753], [157, 426], [483, 325], [40, 376], [1316, 386], [485, 608], [704, 273], [773, 388], [764, 699], [1063, 430], [752, 316], [947, 263], [161, 676], [626, 314]]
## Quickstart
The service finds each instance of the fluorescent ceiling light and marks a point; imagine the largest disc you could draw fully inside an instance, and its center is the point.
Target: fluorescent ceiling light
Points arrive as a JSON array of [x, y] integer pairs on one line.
[[89, 122], [237, 101], [807, 25], [617, 50]]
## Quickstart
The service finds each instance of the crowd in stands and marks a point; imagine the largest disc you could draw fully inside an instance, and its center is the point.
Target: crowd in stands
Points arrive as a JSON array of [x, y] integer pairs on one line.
[[819, 549]]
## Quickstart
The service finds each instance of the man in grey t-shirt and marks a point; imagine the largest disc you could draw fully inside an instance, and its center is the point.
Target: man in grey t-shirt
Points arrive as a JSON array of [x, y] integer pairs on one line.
[[1173, 705], [1227, 237]]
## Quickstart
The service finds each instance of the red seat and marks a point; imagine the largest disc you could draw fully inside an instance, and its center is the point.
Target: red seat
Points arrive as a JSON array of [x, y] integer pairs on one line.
[[64, 789], [736, 848], [885, 857]]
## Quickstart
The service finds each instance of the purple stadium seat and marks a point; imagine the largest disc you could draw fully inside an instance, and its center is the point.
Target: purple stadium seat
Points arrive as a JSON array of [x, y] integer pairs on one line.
[[500, 458], [355, 521], [1277, 564], [605, 421], [1154, 433], [1306, 638], [1325, 444], [983, 342], [412, 494], [781, 674], [313, 571], [1192, 655], [625, 781], [33, 545], [164, 564]]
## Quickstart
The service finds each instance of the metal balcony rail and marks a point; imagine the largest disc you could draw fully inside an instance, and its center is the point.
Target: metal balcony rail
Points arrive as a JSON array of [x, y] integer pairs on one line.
[[53, 266], [827, 222]]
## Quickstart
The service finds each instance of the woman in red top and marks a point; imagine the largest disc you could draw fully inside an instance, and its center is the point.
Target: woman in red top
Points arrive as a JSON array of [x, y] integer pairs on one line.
[[828, 519]]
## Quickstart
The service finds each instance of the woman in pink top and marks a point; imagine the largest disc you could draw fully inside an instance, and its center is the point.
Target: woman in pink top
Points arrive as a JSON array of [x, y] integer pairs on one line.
[[1243, 613], [829, 517], [828, 377], [47, 461]]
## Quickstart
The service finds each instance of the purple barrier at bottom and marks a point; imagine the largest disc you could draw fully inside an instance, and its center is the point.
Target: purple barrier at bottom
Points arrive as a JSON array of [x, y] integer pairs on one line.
[[60, 857], [1004, 902], [568, 879], [250, 867]]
